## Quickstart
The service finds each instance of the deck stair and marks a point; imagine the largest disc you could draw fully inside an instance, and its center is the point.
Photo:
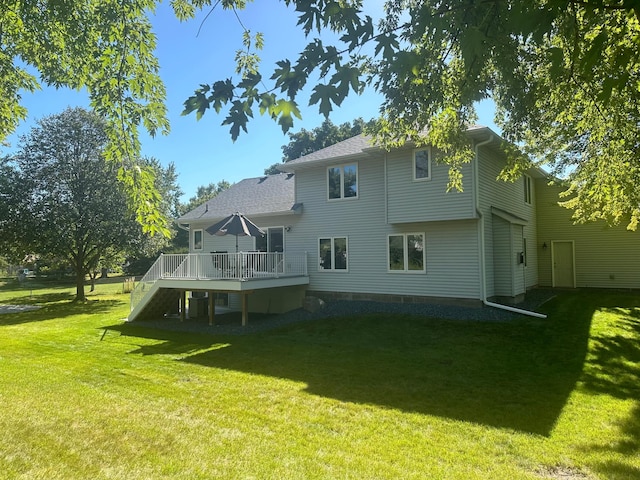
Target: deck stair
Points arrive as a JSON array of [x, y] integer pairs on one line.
[[163, 301]]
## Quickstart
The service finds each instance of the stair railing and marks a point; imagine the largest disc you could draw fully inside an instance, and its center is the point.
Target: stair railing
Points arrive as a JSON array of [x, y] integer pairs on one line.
[[157, 271]]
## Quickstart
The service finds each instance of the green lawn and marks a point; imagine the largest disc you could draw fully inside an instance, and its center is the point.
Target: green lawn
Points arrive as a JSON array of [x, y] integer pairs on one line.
[[84, 396]]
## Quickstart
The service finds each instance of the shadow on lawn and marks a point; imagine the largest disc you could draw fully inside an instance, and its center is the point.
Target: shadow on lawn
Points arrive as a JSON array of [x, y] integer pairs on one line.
[[56, 306], [514, 375], [55, 303], [614, 369]]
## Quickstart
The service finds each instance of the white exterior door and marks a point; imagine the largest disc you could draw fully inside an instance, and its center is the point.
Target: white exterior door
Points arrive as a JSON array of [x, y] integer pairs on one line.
[[563, 262]]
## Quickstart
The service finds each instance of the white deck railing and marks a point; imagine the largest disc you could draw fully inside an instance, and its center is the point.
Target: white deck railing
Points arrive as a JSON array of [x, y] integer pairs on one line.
[[241, 266]]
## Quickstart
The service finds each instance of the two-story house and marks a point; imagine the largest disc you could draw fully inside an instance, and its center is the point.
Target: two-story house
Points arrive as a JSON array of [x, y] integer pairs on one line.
[[354, 221]]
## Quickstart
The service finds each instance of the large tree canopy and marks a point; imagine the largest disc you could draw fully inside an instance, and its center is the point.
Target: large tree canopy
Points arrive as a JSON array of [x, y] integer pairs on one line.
[[105, 46], [564, 75], [68, 202]]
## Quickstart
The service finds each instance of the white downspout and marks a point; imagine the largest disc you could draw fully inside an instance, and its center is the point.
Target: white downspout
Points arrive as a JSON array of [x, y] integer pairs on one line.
[[483, 270]]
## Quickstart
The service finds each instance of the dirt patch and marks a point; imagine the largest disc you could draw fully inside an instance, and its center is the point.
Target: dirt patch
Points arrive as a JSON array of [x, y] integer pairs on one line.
[[561, 472]]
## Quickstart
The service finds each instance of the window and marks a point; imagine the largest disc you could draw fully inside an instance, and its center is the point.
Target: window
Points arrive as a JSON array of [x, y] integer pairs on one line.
[[197, 239], [272, 241], [527, 189], [407, 252], [332, 253], [342, 181], [422, 164]]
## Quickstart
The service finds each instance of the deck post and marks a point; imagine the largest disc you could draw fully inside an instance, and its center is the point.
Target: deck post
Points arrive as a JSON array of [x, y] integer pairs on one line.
[[212, 307], [244, 302], [183, 305]]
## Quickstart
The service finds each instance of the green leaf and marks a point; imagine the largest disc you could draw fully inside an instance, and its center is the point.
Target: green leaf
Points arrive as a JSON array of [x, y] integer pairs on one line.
[[238, 118], [325, 95], [387, 44]]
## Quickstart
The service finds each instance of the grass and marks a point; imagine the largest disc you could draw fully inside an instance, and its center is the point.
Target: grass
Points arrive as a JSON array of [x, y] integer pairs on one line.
[[84, 396]]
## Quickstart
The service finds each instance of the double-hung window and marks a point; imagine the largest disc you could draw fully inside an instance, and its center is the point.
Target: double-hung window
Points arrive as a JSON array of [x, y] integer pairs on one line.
[[333, 253], [342, 181], [422, 164], [406, 252], [197, 239]]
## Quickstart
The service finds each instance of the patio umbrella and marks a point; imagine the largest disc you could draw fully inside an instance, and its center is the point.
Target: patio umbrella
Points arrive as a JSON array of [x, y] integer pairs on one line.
[[235, 224]]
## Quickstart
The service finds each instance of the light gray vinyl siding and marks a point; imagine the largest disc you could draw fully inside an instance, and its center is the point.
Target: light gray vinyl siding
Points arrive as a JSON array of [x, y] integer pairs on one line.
[[519, 271], [508, 197], [412, 200], [451, 246], [502, 261], [605, 257]]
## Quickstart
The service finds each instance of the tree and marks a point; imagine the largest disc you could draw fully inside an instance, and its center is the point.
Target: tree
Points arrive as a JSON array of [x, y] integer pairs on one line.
[[180, 241], [564, 75], [69, 202], [105, 46], [305, 141], [144, 247], [9, 195], [204, 193]]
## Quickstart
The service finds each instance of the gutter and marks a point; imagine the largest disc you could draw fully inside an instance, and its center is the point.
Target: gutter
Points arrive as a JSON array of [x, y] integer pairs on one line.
[[483, 269], [180, 226]]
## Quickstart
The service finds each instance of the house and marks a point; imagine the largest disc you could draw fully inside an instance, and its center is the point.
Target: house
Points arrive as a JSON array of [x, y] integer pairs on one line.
[[353, 221]]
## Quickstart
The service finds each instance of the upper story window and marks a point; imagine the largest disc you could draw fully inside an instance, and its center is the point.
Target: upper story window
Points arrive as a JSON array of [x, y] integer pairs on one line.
[[422, 164], [342, 181], [407, 252], [197, 239], [527, 189]]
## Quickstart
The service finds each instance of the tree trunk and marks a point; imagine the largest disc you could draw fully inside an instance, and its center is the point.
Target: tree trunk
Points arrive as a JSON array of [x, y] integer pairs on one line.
[[80, 296], [104, 273]]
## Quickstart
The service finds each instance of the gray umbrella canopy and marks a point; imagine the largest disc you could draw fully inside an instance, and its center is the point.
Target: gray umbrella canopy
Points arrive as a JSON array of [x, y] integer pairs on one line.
[[235, 224]]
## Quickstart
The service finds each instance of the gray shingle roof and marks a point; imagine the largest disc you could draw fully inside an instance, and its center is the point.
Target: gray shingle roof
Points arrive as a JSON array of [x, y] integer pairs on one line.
[[358, 145], [347, 148], [260, 196]]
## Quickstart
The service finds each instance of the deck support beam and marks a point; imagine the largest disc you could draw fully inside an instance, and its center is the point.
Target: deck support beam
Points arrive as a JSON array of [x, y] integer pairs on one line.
[[183, 305], [212, 307], [245, 307]]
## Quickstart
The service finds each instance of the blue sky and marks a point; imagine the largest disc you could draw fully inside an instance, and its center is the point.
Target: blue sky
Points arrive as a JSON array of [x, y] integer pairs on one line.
[[203, 151]]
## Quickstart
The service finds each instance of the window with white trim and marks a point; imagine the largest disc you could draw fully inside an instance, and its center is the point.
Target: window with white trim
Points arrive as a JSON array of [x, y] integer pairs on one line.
[[422, 164], [197, 239], [527, 189], [342, 181], [333, 253], [406, 252]]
